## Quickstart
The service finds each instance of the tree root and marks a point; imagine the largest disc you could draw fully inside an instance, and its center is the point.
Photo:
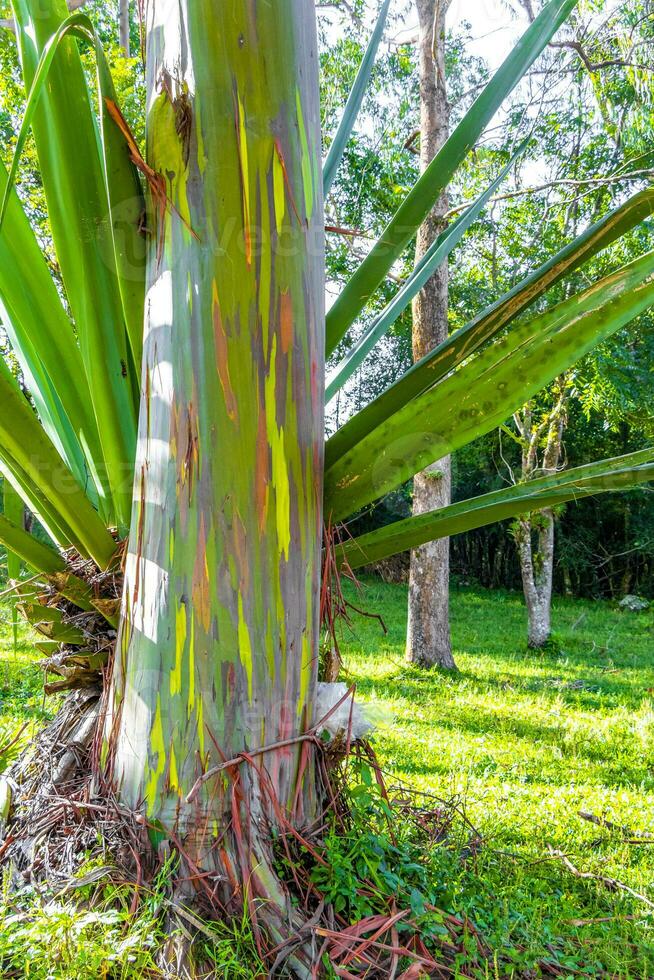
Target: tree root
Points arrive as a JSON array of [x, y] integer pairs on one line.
[[63, 817]]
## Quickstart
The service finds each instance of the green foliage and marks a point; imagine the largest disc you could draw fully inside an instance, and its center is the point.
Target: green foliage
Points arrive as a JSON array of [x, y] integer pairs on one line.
[[522, 498], [93, 932], [391, 861], [90, 933], [87, 180], [599, 544], [353, 105], [417, 204], [56, 939], [603, 544], [229, 950]]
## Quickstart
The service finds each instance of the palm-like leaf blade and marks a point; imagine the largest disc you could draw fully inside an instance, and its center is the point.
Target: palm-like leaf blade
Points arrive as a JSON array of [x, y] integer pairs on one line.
[[72, 169], [621, 473], [353, 104], [421, 199], [431, 260], [484, 392], [469, 339]]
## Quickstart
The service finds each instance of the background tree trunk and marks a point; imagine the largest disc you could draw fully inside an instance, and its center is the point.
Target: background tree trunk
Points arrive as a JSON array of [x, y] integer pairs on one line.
[[428, 632], [218, 645], [123, 26], [535, 533], [537, 570]]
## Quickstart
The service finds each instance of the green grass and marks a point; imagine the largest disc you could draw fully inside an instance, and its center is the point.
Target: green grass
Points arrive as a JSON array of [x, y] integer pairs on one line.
[[527, 740], [522, 740], [23, 706]]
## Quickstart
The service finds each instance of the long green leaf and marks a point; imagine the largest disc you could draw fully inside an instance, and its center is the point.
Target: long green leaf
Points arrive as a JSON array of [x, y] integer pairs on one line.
[[621, 473], [353, 104], [470, 338], [35, 500], [74, 181], [13, 509], [43, 341], [484, 392], [24, 442], [126, 199], [122, 184], [421, 199], [45, 560], [48, 620], [37, 555], [431, 260]]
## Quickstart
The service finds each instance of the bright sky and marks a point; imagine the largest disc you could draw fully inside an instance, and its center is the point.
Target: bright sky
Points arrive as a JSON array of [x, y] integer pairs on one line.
[[494, 28]]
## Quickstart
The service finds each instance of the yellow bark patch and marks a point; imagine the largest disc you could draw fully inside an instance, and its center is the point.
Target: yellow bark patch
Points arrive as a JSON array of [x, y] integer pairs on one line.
[[201, 727], [245, 180], [158, 748], [180, 643], [282, 493], [173, 777], [279, 192], [191, 668], [244, 645], [265, 260], [279, 475]]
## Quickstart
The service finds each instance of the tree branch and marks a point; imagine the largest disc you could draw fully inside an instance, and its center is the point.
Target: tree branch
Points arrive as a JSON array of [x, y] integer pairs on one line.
[[591, 181]]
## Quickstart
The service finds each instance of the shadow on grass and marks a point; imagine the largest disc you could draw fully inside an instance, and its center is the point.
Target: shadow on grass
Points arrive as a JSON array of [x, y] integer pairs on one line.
[[553, 688]]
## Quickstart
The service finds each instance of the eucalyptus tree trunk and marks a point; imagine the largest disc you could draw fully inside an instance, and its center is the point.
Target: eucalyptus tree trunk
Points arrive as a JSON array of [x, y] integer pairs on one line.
[[428, 632], [217, 649]]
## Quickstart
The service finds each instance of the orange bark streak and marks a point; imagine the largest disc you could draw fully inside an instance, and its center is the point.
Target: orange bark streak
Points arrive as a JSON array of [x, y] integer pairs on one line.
[[262, 472], [222, 361]]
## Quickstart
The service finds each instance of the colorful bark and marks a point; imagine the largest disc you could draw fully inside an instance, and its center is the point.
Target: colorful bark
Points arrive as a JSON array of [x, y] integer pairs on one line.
[[217, 651]]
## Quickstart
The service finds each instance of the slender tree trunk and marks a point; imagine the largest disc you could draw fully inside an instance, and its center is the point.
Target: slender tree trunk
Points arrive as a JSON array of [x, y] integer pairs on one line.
[[537, 569], [537, 565], [123, 26], [218, 645], [428, 633]]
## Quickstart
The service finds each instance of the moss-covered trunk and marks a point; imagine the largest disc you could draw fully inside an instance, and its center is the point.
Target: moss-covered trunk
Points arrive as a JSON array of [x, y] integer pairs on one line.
[[217, 651]]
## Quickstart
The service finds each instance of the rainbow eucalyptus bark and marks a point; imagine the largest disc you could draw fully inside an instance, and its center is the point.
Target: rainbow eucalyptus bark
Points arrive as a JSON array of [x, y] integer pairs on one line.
[[218, 647]]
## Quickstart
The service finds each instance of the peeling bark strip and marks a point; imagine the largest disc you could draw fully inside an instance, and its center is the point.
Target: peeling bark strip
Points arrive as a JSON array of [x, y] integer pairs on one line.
[[218, 646]]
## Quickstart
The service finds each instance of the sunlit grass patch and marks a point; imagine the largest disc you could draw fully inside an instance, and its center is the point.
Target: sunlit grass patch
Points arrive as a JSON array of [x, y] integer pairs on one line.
[[523, 741], [528, 740]]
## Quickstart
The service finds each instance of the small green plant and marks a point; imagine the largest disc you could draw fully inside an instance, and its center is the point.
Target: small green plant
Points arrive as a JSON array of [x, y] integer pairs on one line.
[[375, 864], [229, 951], [553, 647], [86, 932]]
